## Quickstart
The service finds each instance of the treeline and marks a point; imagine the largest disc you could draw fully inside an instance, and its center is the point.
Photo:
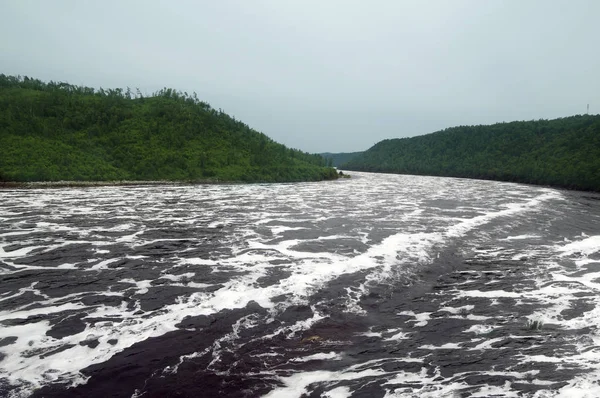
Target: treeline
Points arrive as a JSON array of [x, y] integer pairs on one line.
[[338, 159], [58, 131], [562, 152]]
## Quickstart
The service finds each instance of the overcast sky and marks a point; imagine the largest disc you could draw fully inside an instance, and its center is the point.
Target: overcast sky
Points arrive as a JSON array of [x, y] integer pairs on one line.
[[324, 75]]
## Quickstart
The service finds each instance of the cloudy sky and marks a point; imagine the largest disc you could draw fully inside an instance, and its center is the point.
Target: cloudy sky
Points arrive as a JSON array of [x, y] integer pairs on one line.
[[324, 75]]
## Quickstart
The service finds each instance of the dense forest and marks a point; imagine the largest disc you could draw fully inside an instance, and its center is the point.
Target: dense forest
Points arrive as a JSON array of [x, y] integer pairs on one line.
[[338, 159], [58, 131], [561, 152]]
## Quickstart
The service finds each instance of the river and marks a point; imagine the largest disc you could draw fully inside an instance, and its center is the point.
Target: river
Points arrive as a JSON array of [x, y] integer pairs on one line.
[[376, 286]]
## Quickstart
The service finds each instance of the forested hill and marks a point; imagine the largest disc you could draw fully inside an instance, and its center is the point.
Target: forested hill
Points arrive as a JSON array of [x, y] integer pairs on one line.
[[561, 152], [337, 159], [58, 131]]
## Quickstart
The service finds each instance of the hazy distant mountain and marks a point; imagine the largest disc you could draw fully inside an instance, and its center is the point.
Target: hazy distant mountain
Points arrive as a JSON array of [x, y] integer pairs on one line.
[[338, 159]]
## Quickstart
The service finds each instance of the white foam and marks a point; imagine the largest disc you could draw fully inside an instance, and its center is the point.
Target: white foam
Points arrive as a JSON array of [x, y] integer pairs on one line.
[[446, 346], [488, 294], [296, 384], [480, 329], [465, 309], [277, 230], [338, 392], [199, 261], [176, 278], [580, 387], [410, 238], [18, 252], [421, 319], [421, 384], [21, 314], [104, 264], [492, 391], [521, 237], [585, 246], [142, 286], [398, 336], [319, 357], [292, 330], [16, 233]]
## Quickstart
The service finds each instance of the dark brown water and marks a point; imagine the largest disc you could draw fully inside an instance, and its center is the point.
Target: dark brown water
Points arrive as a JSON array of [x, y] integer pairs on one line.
[[378, 286]]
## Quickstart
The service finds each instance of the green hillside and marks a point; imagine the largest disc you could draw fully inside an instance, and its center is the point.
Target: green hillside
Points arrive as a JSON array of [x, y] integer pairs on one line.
[[561, 152], [338, 159], [57, 131]]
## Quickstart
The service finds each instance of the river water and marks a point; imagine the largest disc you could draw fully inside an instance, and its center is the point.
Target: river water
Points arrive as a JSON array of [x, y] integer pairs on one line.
[[375, 286]]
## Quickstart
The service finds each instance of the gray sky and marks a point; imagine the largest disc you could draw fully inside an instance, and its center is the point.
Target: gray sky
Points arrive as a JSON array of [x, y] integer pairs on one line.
[[324, 75]]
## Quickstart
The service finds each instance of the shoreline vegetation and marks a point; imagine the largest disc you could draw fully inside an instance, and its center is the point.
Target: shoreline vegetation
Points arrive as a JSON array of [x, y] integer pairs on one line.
[[561, 153], [124, 183], [127, 183], [54, 132], [340, 158]]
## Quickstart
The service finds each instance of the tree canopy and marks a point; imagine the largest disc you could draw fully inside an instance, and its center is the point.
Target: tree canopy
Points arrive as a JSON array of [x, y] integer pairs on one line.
[[562, 152], [338, 159], [58, 131]]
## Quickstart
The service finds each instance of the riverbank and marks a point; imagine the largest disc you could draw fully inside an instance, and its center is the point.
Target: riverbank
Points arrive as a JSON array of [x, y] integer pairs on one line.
[[85, 184], [79, 184]]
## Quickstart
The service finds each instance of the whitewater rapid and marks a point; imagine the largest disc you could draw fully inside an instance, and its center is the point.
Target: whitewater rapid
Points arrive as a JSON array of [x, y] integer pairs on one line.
[[386, 285]]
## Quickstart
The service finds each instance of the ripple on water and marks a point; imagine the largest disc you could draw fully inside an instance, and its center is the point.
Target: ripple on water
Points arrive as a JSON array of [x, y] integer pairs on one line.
[[384, 284]]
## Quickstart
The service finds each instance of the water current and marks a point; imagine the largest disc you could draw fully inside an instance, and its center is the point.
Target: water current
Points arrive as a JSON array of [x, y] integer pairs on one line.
[[374, 286]]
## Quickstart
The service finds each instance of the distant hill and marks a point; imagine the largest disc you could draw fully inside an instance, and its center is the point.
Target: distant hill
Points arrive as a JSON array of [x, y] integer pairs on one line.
[[337, 159], [561, 152], [57, 131]]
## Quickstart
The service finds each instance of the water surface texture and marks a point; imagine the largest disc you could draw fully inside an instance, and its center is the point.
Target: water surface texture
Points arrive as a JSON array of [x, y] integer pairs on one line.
[[377, 286]]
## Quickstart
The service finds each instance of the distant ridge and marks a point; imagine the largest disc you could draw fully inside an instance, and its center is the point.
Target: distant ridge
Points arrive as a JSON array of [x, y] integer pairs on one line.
[[562, 152], [58, 131], [337, 159]]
